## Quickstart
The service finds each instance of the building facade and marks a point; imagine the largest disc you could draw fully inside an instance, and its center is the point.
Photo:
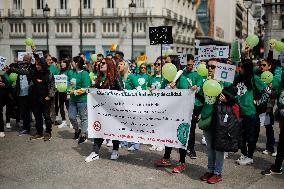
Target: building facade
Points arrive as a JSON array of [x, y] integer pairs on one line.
[[104, 22], [274, 21]]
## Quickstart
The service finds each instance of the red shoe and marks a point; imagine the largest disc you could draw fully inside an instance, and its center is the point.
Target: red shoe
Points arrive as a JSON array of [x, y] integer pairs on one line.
[[163, 163], [215, 179], [206, 176], [179, 168]]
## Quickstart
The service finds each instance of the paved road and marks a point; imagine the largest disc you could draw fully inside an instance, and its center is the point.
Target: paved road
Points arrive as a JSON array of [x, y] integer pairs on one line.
[[60, 164]]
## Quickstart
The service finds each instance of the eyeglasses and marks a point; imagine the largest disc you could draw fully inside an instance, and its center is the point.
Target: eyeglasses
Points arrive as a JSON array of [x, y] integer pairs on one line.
[[211, 66], [157, 64]]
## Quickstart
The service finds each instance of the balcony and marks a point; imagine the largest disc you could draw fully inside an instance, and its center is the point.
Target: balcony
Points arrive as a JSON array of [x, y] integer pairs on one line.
[[139, 35], [167, 13], [63, 35], [37, 12], [17, 35], [185, 21], [16, 12], [139, 11], [87, 12], [175, 16], [39, 35], [110, 35], [62, 12], [190, 22], [180, 18], [89, 35], [110, 11]]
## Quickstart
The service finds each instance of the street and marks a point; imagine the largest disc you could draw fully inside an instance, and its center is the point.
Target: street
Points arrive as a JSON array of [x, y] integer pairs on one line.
[[60, 164]]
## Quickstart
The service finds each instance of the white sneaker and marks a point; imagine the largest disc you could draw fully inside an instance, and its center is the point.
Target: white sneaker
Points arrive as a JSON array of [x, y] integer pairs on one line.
[[153, 148], [240, 159], [226, 155], [8, 126], [246, 161], [44, 126], [160, 148], [71, 126], [57, 119], [93, 156], [2, 134], [114, 155], [274, 154], [131, 148], [266, 152], [203, 141], [62, 125], [109, 143]]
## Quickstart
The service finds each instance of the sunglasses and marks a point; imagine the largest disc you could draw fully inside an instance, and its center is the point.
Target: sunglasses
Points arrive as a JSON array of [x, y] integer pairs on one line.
[[211, 66], [157, 64], [263, 65], [102, 63], [189, 65], [143, 68]]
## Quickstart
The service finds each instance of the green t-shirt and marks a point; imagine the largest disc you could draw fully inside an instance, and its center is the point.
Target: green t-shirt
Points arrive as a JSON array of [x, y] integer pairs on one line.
[[79, 80], [277, 79], [143, 80], [131, 82], [181, 83], [245, 96], [53, 69], [156, 82]]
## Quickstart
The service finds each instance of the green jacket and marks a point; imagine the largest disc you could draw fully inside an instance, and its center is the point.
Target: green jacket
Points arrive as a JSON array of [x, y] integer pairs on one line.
[[79, 80], [53, 69]]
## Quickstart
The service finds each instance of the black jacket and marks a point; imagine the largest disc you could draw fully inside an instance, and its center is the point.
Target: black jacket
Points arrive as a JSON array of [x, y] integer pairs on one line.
[[4, 91]]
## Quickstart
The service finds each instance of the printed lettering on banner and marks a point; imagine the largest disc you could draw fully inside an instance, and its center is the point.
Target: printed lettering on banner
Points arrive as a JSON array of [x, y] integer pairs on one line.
[[206, 52], [60, 79], [222, 51], [2, 62], [225, 72], [182, 58], [158, 118]]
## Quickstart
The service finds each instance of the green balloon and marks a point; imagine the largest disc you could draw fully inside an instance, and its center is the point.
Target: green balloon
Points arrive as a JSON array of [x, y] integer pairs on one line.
[[252, 40], [169, 71], [62, 87], [92, 76], [279, 46], [267, 77], [211, 87], [29, 42], [202, 70], [13, 77], [94, 57]]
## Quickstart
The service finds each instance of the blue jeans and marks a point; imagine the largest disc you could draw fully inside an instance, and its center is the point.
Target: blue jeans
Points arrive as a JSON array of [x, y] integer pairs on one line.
[[215, 158], [135, 145], [74, 109]]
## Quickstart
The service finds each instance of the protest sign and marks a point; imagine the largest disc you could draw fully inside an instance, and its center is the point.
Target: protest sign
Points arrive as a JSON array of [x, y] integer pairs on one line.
[[22, 54], [60, 79], [158, 118], [225, 72], [196, 62], [183, 58], [2, 62], [206, 52], [222, 51]]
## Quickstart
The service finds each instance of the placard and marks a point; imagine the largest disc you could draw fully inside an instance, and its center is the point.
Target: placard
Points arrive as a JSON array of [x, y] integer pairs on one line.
[[182, 58], [225, 72], [222, 51], [60, 79], [3, 61]]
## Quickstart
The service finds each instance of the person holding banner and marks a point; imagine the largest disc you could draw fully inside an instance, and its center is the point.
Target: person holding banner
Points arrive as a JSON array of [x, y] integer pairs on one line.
[[79, 83], [178, 83], [195, 82], [4, 91], [107, 79], [62, 96], [248, 85]]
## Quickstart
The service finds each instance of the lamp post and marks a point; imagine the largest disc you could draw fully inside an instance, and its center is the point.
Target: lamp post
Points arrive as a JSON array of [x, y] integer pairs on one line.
[[46, 11], [81, 28], [248, 4], [132, 8]]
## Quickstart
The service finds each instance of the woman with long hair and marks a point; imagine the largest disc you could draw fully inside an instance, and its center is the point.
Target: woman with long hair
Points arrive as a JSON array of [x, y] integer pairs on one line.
[[107, 79]]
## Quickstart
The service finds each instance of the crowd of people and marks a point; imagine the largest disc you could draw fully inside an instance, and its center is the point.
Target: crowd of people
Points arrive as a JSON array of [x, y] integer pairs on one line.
[[34, 96]]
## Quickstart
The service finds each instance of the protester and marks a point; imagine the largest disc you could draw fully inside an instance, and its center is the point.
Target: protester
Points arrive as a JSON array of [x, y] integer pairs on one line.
[[107, 79], [79, 82]]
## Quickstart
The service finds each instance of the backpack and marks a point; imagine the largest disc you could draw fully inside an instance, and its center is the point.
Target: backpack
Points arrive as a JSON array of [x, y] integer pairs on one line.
[[227, 128]]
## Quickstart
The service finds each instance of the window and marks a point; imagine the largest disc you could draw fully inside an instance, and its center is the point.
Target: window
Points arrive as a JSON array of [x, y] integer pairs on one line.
[[34, 26], [104, 27], [108, 27], [11, 28], [85, 28], [112, 27], [42, 27], [24, 28], [110, 3], [62, 27], [94, 27], [89, 28], [57, 28], [139, 3], [39, 4], [86, 4], [282, 23], [38, 27], [17, 4], [117, 27], [16, 28], [63, 4], [70, 27]]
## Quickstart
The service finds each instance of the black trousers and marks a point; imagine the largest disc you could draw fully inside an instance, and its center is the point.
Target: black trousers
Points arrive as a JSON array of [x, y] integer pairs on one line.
[[11, 104], [194, 119], [98, 143], [280, 148], [182, 154], [60, 100], [41, 109], [249, 138], [1, 118], [25, 109]]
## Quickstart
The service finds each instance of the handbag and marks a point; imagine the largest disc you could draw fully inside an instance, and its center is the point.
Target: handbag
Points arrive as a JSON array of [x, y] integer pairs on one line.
[[204, 124]]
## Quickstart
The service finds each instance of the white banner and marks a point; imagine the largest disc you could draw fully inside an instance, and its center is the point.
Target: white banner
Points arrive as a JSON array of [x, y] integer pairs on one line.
[[22, 54], [225, 72], [156, 118], [222, 51], [2, 62], [60, 79], [213, 51]]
